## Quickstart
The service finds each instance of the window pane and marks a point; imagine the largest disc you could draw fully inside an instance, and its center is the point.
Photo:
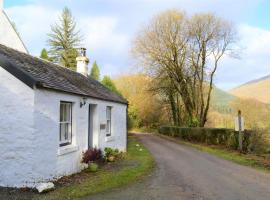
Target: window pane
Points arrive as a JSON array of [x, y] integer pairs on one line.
[[61, 112], [68, 112], [69, 132], [108, 126], [108, 112], [64, 112], [62, 132]]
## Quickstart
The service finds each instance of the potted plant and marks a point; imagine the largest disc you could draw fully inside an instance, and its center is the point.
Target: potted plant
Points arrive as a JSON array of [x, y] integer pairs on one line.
[[91, 157]]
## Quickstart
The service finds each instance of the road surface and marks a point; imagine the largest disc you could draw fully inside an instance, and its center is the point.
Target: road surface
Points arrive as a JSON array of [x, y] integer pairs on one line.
[[184, 173]]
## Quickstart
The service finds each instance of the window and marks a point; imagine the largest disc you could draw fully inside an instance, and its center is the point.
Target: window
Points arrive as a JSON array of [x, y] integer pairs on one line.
[[65, 135], [108, 121]]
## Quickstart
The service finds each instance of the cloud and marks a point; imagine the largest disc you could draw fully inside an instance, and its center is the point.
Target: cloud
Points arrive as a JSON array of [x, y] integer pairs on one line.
[[100, 34], [109, 26], [254, 62], [33, 23]]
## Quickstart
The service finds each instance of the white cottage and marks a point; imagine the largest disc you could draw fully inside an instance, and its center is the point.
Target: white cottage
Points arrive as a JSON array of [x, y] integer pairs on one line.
[[49, 115]]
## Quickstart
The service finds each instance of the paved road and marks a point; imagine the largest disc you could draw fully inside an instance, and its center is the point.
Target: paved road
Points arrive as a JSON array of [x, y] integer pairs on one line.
[[185, 173]]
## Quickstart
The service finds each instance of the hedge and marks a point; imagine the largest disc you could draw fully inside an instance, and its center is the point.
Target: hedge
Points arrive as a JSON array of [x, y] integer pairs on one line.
[[210, 136]]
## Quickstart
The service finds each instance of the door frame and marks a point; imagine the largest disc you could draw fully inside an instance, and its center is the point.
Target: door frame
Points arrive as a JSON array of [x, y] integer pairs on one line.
[[91, 124]]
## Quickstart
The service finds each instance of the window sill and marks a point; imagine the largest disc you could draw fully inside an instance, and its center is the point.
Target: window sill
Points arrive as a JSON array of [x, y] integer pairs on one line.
[[109, 138], [67, 149]]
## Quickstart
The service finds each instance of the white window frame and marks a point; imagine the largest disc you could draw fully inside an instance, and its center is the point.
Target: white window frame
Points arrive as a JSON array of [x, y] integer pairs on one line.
[[68, 122], [108, 121]]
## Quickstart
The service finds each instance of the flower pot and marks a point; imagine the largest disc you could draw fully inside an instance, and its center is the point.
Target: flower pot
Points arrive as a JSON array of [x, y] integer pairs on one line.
[[93, 167]]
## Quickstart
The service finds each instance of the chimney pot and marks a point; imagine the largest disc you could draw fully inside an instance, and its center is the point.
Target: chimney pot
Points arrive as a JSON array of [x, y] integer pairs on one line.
[[82, 52], [82, 62]]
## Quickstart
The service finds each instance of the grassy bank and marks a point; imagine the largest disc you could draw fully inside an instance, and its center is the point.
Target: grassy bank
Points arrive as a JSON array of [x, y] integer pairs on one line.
[[261, 162], [137, 164]]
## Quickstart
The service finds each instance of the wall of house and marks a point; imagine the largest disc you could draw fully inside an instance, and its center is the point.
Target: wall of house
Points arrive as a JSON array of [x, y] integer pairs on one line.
[[16, 131], [29, 133], [54, 161], [8, 35]]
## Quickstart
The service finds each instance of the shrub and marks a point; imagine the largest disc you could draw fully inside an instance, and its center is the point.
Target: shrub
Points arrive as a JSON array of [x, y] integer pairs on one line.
[[258, 141], [92, 155], [112, 154], [210, 136]]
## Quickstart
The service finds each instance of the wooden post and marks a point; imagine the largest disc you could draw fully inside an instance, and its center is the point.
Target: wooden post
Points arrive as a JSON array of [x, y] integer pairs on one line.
[[240, 136]]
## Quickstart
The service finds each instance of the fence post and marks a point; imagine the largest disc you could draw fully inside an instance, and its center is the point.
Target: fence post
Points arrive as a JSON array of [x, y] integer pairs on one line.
[[240, 136]]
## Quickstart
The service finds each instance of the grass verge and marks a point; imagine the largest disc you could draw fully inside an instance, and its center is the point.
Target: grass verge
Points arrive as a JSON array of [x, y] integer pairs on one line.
[[261, 162], [105, 179], [143, 130]]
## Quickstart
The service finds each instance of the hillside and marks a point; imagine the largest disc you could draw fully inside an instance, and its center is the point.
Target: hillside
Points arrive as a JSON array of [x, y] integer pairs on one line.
[[221, 101], [257, 89], [221, 97]]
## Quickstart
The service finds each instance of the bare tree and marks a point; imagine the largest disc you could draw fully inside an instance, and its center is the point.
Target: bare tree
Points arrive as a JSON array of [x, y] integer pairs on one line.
[[186, 51]]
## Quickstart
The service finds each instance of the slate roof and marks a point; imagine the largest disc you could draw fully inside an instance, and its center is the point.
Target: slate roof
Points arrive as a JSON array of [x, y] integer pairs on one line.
[[38, 73]]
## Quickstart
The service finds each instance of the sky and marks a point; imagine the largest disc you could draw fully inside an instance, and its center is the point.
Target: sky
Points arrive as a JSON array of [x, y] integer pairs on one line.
[[110, 26]]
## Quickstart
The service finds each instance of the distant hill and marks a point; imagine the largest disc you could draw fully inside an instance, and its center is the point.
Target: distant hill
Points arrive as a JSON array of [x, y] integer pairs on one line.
[[258, 89], [221, 100]]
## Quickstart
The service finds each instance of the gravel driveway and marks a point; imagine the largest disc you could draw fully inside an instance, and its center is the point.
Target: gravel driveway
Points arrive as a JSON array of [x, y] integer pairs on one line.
[[185, 173]]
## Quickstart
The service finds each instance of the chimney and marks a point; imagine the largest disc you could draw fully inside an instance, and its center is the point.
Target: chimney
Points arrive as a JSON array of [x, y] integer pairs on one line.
[[82, 62]]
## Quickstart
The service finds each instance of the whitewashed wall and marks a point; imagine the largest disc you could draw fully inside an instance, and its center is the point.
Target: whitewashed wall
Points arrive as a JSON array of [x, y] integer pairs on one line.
[[16, 131], [67, 159], [29, 133], [8, 35]]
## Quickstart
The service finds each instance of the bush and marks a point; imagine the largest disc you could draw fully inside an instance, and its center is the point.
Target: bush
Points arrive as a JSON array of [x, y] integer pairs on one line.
[[210, 136], [258, 141], [92, 155], [112, 154]]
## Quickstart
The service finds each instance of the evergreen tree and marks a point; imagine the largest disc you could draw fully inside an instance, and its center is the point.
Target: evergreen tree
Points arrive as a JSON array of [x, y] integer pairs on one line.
[[95, 73], [44, 54], [108, 82], [64, 40]]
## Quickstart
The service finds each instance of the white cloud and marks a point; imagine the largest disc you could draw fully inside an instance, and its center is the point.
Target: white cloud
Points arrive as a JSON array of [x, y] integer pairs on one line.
[[33, 23], [254, 62], [101, 35], [109, 26]]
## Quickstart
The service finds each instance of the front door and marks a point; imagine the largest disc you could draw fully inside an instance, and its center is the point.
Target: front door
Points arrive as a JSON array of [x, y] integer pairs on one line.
[[91, 125]]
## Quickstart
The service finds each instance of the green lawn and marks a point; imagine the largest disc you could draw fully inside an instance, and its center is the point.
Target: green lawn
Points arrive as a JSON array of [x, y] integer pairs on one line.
[[106, 179], [261, 162]]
